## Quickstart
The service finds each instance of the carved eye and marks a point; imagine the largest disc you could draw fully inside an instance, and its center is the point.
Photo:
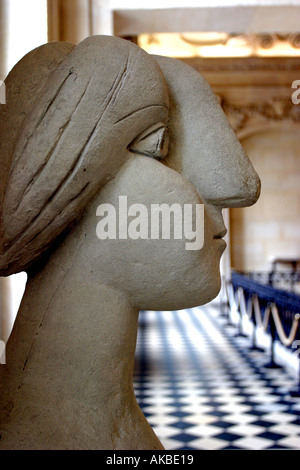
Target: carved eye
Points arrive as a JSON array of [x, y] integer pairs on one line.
[[154, 142]]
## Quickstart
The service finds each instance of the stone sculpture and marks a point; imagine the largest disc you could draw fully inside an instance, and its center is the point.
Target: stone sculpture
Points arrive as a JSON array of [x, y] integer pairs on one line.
[[82, 126]]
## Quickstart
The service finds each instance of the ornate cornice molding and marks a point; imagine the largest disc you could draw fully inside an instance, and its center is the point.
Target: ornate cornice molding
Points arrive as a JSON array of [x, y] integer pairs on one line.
[[254, 41], [253, 91], [274, 110], [244, 64]]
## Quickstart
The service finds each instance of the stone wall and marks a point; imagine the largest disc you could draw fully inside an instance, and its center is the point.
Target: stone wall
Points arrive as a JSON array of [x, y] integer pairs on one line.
[[270, 228]]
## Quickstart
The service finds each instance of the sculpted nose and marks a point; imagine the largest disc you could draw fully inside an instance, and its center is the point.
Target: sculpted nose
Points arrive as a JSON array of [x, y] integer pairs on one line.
[[230, 179], [211, 156], [203, 146]]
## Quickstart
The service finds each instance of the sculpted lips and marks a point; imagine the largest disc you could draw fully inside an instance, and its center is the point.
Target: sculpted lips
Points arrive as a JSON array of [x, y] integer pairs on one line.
[[219, 239], [220, 234]]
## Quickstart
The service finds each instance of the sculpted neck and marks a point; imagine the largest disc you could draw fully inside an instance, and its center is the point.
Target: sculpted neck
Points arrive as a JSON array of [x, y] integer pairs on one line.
[[70, 359]]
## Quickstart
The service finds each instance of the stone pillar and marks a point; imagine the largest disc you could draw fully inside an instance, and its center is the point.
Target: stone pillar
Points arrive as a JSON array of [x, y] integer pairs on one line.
[[69, 20], [3, 38], [5, 305], [101, 17], [6, 313]]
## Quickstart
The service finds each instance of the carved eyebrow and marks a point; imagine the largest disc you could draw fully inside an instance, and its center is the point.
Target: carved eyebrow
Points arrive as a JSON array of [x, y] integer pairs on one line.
[[141, 109]]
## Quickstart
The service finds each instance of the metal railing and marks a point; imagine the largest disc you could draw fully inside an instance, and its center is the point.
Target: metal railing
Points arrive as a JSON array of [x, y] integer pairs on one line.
[[275, 311]]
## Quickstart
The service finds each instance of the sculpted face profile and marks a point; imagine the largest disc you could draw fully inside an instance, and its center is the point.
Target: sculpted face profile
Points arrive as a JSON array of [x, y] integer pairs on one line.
[[82, 126]]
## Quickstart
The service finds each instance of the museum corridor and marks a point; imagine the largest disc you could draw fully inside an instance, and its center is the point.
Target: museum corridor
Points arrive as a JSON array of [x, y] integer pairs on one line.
[[200, 386]]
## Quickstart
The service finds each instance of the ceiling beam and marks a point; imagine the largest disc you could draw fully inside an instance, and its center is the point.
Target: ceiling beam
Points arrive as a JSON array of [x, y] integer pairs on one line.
[[238, 19]]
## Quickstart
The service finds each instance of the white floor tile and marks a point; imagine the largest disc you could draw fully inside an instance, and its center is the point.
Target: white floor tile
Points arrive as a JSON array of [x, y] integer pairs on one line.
[[291, 442], [209, 444], [253, 443]]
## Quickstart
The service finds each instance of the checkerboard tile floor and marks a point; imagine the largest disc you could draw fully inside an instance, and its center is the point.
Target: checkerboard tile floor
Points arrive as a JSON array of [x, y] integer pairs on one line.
[[200, 388]]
